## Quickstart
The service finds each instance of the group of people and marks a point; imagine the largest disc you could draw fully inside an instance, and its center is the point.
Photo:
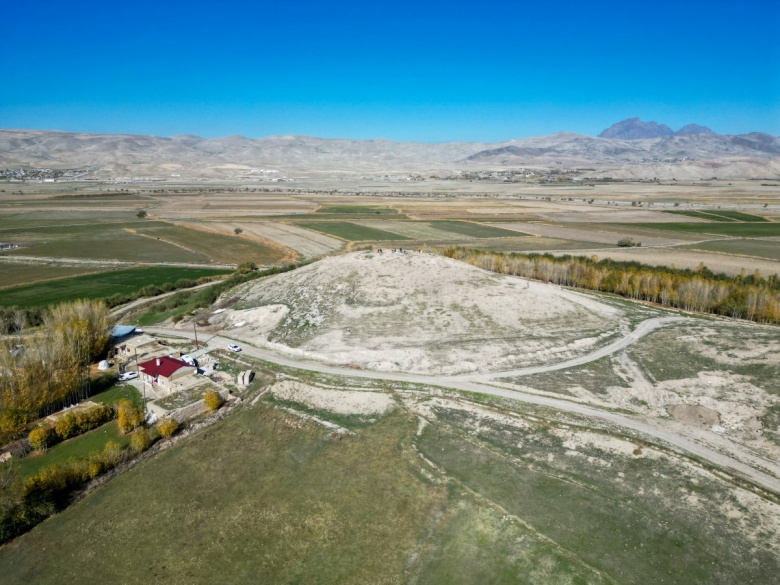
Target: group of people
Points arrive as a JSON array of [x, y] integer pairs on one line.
[[397, 250]]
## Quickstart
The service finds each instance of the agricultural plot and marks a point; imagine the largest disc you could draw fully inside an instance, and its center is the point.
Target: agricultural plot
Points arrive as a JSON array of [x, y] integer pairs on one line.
[[352, 210], [415, 230], [473, 230], [738, 216], [598, 234], [307, 243], [718, 215], [742, 230], [352, 232], [680, 257], [97, 286], [213, 246], [134, 241], [17, 273], [529, 244], [743, 247], [101, 241]]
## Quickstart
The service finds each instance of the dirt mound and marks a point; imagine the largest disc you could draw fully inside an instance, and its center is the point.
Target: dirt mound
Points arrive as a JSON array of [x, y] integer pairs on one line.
[[422, 313], [694, 414]]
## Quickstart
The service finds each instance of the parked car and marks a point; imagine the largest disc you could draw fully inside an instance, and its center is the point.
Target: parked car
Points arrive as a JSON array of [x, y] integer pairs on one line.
[[128, 376], [188, 359], [234, 347]]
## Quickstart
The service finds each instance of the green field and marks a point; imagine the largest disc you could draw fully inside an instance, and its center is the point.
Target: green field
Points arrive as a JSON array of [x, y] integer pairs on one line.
[[351, 231], [264, 496], [418, 231], [97, 286], [357, 209], [216, 247], [744, 230], [75, 448], [720, 215], [738, 216], [273, 503], [16, 274], [758, 248], [474, 230], [134, 241], [118, 392]]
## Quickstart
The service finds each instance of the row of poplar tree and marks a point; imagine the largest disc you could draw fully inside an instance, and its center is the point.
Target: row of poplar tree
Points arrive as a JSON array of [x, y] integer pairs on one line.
[[751, 297], [50, 369]]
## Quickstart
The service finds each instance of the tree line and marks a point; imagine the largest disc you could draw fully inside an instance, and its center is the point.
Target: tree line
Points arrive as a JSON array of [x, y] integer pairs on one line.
[[752, 297], [51, 369]]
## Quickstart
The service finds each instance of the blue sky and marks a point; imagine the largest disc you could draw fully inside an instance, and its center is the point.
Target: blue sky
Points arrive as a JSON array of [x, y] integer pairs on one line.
[[422, 71]]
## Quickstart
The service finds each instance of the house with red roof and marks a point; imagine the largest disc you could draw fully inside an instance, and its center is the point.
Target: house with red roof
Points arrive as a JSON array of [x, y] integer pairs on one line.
[[163, 371]]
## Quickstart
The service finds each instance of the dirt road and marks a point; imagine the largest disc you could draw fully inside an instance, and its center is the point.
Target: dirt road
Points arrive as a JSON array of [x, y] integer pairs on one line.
[[643, 329], [768, 480]]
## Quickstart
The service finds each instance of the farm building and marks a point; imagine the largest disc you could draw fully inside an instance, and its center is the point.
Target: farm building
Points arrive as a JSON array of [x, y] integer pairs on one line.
[[139, 343], [164, 371]]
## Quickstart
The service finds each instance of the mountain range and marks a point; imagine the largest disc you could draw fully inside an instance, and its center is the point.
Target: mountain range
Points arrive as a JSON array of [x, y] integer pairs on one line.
[[628, 149]]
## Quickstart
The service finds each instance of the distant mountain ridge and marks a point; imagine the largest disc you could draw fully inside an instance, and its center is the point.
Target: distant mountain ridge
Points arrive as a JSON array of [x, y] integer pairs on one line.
[[692, 152], [636, 129]]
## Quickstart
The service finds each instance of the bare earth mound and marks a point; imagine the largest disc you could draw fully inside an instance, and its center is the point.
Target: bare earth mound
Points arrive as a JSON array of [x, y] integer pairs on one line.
[[420, 313]]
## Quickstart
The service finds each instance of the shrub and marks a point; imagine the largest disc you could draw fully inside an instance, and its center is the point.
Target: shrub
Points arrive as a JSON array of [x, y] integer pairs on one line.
[[150, 290], [92, 418], [628, 243], [167, 427], [113, 454], [66, 426], [96, 464], [212, 399], [140, 440], [128, 415], [41, 438]]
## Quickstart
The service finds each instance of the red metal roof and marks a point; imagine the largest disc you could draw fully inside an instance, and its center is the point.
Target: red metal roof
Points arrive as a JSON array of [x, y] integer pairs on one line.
[[167, 367]]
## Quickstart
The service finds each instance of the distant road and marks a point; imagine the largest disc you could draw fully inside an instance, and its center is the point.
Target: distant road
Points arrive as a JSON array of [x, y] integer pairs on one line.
[[121, 309], [770, 482]]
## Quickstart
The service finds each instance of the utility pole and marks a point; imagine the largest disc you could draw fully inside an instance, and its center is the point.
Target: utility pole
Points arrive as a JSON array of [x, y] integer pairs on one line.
[[140, 375], [195, 329]]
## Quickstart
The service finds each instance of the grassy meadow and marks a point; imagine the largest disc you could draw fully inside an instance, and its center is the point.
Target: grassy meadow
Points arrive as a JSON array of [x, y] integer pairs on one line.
[[279, 499], [97, 286]]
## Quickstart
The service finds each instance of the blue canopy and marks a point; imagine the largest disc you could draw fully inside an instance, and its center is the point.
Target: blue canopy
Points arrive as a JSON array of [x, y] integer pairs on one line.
[[121, 331]]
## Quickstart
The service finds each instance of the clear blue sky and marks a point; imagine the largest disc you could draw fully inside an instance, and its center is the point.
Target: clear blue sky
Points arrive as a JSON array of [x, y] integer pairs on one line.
[[422, 70]]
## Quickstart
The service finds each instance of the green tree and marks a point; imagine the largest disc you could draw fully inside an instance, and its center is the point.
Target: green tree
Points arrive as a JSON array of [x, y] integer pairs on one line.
[[41, 438]]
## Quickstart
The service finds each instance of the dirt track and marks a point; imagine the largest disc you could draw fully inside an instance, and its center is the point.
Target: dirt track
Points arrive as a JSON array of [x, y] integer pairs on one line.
[[769, 480]]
